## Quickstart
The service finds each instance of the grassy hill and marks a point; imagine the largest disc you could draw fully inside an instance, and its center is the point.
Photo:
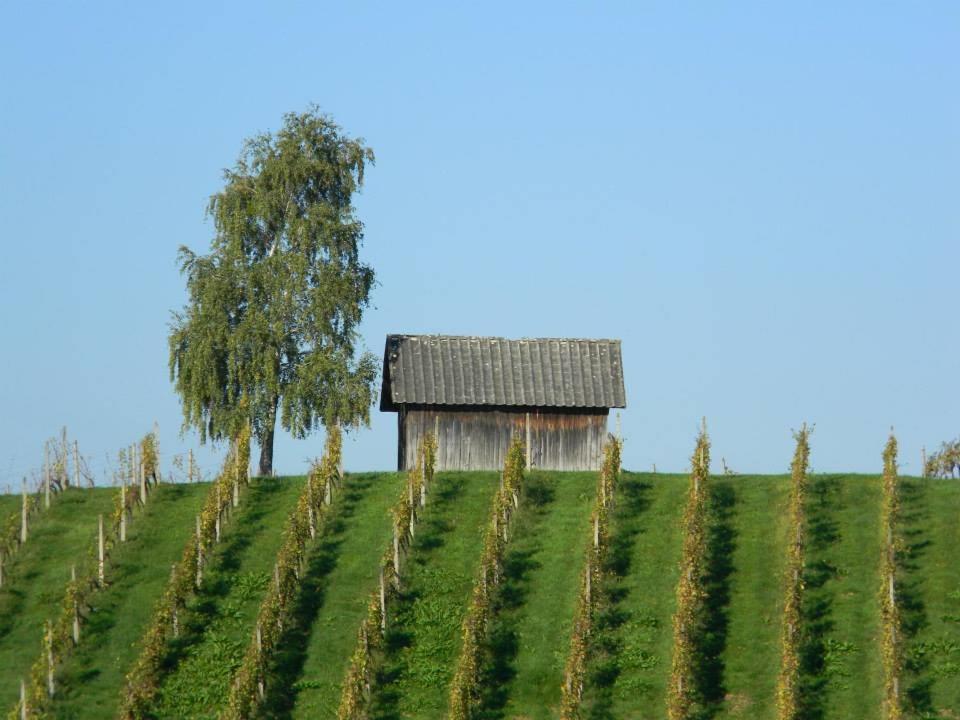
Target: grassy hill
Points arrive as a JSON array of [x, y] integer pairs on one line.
[[631, 646]]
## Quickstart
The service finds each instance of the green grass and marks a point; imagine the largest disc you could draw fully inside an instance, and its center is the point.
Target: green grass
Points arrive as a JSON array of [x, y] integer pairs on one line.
[[842, 675], [530, 634], [9, 504], [630, 678], [341, 574], [36, 578], [841, 613], [748, 545], [424, 632], [220, 620], [931, 595], [91, 680]]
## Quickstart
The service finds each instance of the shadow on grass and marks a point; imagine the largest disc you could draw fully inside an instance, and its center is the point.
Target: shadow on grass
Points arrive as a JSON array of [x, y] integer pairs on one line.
[[217, 584], [823, 532], [607, 643], [498, 669], [291, 654], [712, 639], [914, 519], [431, 536]]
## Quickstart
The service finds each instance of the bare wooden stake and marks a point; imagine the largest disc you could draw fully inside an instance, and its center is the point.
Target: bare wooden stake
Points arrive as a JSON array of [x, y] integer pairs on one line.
[[76, 465], [48, 636], [101, 570], [46, 486], [123, 510], [216, 525], [24, 708], [23, 515], [76, 609], [236, 491], [143, 481], [383, 602], [396, 554], [596, 531], [923, 461], [199, 555], [190, 465], [328, 491], [174, 613]]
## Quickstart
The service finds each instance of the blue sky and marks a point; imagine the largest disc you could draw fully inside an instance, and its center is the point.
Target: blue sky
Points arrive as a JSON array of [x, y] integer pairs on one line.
[[760, 200]]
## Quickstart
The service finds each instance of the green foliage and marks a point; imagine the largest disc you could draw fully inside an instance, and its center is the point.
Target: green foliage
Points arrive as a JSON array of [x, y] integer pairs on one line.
[[273, 310], [945, 462]]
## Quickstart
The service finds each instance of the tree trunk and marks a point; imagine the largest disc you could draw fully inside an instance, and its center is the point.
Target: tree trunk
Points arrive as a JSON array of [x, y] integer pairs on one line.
[[266, 443]]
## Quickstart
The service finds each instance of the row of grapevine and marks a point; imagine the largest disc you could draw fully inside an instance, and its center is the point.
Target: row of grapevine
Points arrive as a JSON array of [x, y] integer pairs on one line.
[[891, 638], [682, 693], [63, 634], [311, 512], [143, 680], [788, 680], [14, 531], [355, 695], [588, 601], [476, 624]]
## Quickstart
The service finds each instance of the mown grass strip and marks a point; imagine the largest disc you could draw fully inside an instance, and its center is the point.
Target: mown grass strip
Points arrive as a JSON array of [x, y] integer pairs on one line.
[[842, 674], [217, 626], [631, 645], [341, 572], [930, 595], [91, 679], [534, 611], [748, 537], [35, 578], [423, 639]]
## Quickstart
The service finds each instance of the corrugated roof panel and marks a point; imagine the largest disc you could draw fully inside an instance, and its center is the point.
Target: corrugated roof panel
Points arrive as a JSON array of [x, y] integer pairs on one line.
[[549, 372]]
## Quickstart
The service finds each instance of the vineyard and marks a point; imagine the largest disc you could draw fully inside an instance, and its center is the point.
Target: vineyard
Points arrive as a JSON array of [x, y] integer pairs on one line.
[[521, 594]]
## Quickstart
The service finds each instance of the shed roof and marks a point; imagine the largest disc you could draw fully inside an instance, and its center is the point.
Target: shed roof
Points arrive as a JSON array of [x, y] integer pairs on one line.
[[540, 372]]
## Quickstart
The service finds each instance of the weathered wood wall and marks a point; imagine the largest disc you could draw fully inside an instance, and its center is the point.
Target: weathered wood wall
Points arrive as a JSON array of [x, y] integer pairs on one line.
[[478, 440]]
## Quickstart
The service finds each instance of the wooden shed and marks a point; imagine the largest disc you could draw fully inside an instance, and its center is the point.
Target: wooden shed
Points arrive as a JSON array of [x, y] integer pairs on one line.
[[478, 392]]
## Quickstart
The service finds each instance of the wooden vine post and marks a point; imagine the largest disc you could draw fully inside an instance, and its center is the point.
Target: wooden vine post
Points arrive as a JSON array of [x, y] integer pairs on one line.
[[76, 465], [143, 481], [23, 515], [48, 641], [101, 570], [123, 509], [190, 468], [199, 554], [76, 607]]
